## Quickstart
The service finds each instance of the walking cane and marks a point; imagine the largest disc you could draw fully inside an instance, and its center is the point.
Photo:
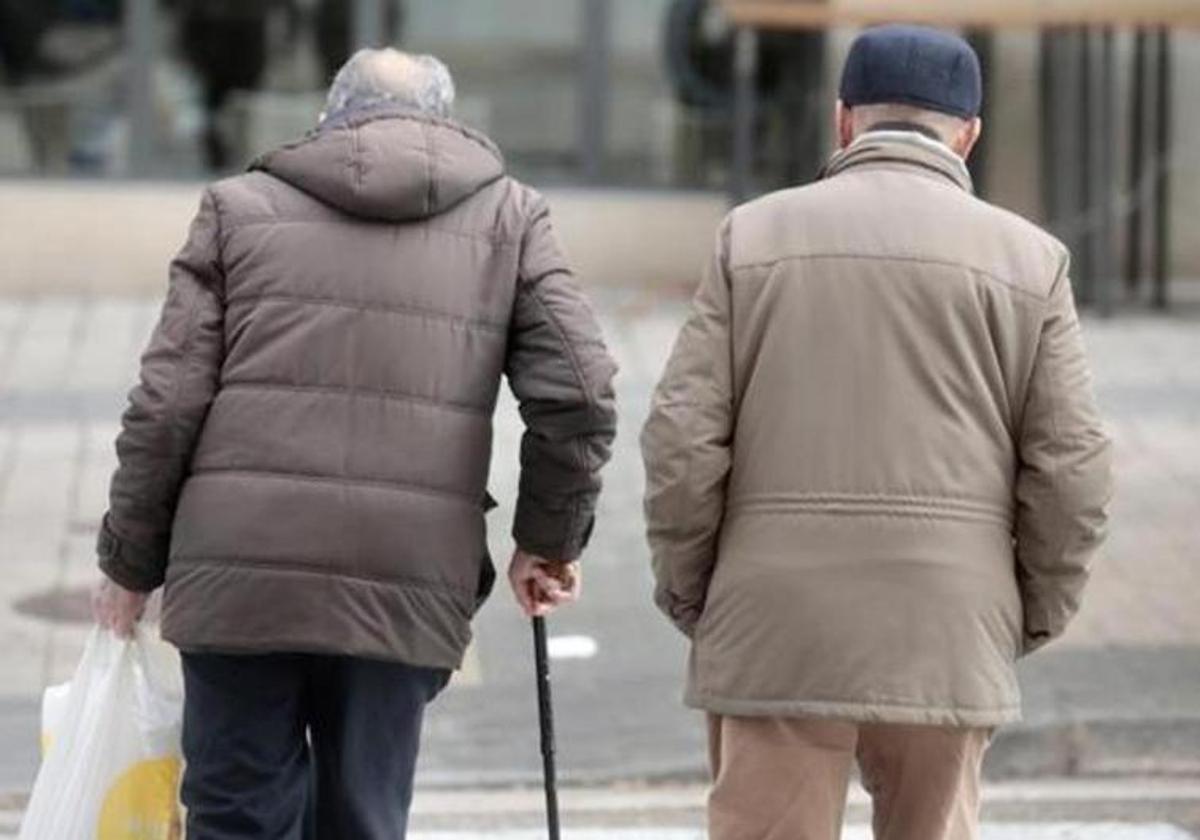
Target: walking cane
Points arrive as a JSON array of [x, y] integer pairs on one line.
[[546, 721]]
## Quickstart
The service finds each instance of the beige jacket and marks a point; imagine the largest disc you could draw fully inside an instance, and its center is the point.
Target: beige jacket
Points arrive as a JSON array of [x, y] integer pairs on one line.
[[875, 470], [305, 461]]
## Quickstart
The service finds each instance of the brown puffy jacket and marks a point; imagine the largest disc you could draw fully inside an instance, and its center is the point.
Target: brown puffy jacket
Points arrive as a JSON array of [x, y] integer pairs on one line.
[[876, 473], [305, 460]]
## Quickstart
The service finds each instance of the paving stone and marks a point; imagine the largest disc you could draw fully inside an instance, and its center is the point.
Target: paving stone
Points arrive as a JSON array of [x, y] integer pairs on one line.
[[66, 363], [107, 356], [48, 345]]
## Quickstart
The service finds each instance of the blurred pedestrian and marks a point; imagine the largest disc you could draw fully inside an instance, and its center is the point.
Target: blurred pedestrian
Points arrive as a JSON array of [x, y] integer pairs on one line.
[[876, 475], [334, 26], [225, 42], [304, 463]]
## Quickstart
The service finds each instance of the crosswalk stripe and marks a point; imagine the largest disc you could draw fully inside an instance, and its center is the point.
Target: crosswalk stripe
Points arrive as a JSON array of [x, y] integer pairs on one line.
[[1000, 831]]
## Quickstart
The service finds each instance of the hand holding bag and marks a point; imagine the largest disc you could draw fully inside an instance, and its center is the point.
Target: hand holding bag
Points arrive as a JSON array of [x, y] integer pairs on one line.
[[111, 742]]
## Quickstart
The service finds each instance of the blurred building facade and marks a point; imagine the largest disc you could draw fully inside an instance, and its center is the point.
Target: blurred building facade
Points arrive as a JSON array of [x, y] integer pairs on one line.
[[614, 93]]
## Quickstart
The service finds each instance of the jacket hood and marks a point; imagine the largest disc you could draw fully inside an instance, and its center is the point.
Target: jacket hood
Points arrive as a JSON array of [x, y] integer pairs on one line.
[[389, 165], [901, 149]]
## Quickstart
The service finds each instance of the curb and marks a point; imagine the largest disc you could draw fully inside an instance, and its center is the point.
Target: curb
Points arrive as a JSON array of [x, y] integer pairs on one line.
[[616, 237], [1099, 748], [1167, 748], [1118, 800]]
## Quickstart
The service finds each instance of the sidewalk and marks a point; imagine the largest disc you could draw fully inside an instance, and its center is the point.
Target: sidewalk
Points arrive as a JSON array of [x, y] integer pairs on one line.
[[1019, 831], [1125, 809], [1120, 694]]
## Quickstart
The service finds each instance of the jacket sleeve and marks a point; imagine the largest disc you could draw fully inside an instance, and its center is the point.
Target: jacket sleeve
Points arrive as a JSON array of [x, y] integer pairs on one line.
[[1064, 475], [561, 374], [179, 374], [686, 448]]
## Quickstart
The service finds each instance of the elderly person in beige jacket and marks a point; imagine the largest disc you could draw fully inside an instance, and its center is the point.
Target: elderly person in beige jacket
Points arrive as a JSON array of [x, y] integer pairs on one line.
[[876, 475]]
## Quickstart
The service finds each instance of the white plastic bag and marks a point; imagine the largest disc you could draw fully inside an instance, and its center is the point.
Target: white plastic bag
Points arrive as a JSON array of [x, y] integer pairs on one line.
[[111, 740]]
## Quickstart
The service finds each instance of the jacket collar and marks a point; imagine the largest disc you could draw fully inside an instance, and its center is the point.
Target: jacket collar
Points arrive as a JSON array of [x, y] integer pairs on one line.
[[901, 149]]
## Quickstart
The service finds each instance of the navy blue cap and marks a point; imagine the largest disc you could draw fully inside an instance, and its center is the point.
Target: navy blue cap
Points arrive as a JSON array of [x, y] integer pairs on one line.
[[914, 65]]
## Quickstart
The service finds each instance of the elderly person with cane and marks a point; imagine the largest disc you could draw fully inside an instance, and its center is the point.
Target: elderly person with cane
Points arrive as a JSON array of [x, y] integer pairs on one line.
[[304, 463]]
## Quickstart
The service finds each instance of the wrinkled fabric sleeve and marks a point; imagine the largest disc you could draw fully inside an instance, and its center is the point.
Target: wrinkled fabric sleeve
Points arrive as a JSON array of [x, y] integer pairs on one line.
[[1064, 476], [160, 426], [686, 449], [562, 377]]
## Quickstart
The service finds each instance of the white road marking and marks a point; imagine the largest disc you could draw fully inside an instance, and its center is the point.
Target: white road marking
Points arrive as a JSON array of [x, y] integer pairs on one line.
[[1003, 831], [571, 647]]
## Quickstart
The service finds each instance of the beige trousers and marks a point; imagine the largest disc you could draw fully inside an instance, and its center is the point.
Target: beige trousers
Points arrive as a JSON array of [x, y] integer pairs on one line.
[[786, 778]]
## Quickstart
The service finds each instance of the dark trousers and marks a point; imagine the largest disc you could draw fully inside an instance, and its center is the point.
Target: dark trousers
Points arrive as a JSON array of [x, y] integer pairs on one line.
[[291, 746]]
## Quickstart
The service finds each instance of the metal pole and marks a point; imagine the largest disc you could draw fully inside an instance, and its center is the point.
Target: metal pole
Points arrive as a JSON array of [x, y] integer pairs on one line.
[[802, 107], [595, 39], [745, 73], [369, 24], [546, 725], [791, 104], [1086, 275], [1162, 181], [1103, 239], [139, 32], [1068, 175], [982, 41], [1061, 170], [1047, 103], [1137, 165]]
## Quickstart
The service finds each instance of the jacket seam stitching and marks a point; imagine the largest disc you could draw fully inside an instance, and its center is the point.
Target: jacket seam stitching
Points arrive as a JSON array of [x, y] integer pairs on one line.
[[355, 162], [1033, 592], [868, 703], [667, 555], [218, 239], [589, 399], [170, 416], [430, 170], [836, 255], [533, 283], [298, 475], [289, 565], [178, 375], [962, 502], [864, 511], [1056, 397], [399, 396], [567, 345], [1019, 421], [268, 221], [401, 309]]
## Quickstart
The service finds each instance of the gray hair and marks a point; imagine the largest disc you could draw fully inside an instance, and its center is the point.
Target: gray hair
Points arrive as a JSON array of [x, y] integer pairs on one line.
[[389, 77]]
